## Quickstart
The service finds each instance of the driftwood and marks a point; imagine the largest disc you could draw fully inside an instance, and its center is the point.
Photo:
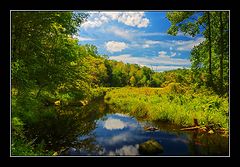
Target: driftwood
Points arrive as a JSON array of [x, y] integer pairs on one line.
[[191, 128], [206, 129]]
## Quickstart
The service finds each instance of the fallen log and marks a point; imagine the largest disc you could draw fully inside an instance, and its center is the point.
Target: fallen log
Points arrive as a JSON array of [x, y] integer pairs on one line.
[[191, 128]]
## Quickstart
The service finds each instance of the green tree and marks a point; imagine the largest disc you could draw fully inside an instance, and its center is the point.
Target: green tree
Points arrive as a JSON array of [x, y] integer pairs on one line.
[[41, 44], [213, 26], [132, 81]]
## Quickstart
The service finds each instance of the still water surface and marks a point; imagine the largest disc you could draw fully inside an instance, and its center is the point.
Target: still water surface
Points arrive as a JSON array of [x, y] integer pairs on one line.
[[121, 134]]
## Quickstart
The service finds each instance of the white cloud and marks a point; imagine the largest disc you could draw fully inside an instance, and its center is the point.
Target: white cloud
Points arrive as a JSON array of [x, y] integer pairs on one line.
[[146, 46], [188, 45], [111, 124], [180, 45], [113, 15], [113, 46], [134, 19], [83, 38], [161, 59], [162, 54], [150, 43], [123, 57], [126, 34], [173, 54], [134, 35], [95, 20], [165, 68]]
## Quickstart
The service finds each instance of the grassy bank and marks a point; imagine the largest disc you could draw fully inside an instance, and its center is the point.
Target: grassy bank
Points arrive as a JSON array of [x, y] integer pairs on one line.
[[172, 103]]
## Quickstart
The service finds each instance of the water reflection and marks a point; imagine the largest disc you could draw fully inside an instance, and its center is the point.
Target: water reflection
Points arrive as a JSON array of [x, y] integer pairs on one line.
[[59, 127], [93, 130], [120, 134], [126, 150], [111, 124]]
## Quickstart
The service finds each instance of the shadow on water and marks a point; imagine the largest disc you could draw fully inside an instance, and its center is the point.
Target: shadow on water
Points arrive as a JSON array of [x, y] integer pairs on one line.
[[59, 127], [94, 130]]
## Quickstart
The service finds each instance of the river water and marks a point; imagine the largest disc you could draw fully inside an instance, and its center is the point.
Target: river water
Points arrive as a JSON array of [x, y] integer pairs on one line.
[[96, 131]]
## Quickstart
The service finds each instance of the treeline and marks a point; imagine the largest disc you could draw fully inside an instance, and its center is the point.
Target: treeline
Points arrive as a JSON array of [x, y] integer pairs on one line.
[[111, 73]]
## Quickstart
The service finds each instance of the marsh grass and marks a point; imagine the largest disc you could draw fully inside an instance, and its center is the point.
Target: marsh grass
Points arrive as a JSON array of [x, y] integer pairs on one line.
[[173, 103]]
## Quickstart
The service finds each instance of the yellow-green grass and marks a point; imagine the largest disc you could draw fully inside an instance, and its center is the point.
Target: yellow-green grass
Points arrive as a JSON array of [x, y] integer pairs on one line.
[[168, 105]]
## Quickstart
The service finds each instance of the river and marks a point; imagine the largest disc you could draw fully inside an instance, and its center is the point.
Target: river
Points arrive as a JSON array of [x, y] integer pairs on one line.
[[96, 131]]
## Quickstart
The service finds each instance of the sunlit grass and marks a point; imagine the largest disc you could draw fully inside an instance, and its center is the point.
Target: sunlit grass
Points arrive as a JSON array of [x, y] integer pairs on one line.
[[166, 104]]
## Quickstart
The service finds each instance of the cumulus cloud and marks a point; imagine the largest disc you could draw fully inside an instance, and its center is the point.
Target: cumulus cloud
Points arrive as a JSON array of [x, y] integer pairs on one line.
[[113, 46], [134, 19], [96, 19]]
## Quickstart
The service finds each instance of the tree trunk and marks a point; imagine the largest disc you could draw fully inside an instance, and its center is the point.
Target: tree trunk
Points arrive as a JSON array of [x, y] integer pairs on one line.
[[210, 81], [222, 53]]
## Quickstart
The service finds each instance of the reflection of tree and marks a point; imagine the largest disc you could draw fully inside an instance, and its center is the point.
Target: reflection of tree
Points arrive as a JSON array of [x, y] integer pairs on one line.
[[88, 146], [199, 143], [193, 147], [59, 127], [208, 144]]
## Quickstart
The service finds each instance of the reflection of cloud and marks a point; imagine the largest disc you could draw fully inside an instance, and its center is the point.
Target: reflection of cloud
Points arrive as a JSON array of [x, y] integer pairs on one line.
[[111, 124], [123, 137], [128, 124], [126, 150], [119, 138]]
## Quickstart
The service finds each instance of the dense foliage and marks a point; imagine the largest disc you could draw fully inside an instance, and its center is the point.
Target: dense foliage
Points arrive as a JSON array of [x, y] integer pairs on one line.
[[210, 59], [50, 70]]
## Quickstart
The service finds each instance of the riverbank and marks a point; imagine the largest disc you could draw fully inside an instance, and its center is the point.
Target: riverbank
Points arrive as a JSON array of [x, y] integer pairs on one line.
[[171, 104]]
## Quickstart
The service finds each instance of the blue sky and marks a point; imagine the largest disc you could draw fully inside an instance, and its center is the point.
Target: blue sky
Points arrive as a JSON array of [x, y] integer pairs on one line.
[[138, 37]]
